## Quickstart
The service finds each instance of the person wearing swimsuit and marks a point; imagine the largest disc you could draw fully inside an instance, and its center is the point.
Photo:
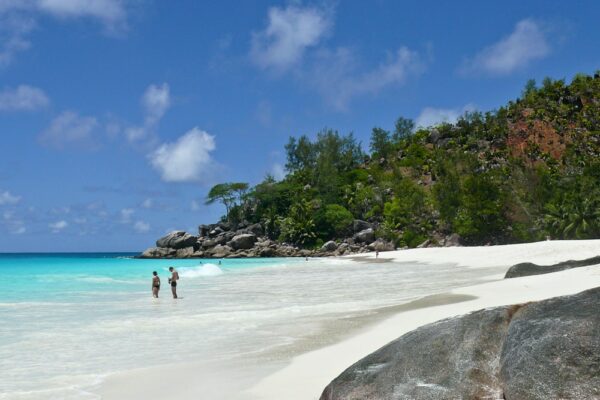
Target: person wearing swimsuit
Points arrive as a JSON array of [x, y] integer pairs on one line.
[[155, 284], [173, 281]]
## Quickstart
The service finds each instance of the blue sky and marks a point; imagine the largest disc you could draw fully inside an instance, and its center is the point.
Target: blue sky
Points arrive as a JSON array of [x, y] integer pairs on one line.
[[116, 116]]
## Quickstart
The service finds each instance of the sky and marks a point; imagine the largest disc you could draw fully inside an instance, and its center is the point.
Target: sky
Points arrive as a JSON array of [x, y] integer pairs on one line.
[[117, 116]]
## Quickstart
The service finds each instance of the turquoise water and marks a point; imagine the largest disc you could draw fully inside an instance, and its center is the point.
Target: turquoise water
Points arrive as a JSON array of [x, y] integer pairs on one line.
[[84, 276], [70, 320]]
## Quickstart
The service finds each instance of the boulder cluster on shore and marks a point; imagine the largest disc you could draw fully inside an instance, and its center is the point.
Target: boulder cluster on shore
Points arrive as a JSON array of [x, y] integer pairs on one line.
[[225, 240]]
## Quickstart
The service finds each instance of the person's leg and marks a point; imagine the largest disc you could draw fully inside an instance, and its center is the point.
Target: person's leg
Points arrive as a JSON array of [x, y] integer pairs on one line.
[[174, 291], [155, 292]]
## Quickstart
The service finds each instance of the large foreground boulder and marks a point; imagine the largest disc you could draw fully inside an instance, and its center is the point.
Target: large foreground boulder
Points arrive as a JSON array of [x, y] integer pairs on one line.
[[544, 350], [177, 240], [526, 269]]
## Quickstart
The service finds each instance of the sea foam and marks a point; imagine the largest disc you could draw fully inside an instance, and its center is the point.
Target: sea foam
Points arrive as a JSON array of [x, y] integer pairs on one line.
[[199, 271]]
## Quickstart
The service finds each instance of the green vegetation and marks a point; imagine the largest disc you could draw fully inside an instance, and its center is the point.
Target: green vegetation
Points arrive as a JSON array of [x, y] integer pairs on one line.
[[526, 171]]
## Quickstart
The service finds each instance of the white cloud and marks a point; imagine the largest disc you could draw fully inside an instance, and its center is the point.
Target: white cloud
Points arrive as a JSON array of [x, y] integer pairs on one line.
[[194, 205], [430, 116], [278, 171], [528, 42], [58, 226], [18, 18], [110, 12], [7, 198], [69, 129], [290, 31], [156, 100], [187, 159], [141, 227], [335, 76], [23, 98], [14, 30]]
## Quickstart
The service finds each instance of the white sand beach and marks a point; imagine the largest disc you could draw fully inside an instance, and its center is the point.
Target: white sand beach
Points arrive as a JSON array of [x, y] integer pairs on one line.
[[309, 373], [305, 375]]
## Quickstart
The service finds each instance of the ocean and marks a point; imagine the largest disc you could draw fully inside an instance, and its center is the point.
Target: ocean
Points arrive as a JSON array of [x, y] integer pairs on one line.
[[67, 321]]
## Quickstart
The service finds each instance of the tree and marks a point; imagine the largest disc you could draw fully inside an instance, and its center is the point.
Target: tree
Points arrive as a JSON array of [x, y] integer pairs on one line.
[[530, 87], [380, 144], [229, 194], [403, 129]]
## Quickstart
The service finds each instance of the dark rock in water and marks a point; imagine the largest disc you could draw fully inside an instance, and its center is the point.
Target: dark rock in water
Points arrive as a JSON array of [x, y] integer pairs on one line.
[[544, 350], [158, 252], [360, 225], [552, 350], [329, 246], [243, 241], [177, 240], [526, 269], [365, 236]]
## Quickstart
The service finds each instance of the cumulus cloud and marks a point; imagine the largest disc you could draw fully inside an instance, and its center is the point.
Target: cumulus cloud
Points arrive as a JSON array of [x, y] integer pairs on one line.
[[58, 226], [141, 227], [18, 18], [336, 77], [186, 160], [23, 98], [528, 42], [7, 198], [156, 100], [430, 116], [289, 32], [69, 129], [110, 12]]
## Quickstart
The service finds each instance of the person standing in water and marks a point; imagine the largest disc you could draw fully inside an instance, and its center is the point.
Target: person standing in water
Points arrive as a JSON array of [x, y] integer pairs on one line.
[[173, 281], [155, 284]]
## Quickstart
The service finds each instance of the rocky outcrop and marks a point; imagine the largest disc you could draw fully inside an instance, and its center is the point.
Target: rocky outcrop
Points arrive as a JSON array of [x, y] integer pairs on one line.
[[225, 240], [544, 350], [365, 236], [177, 240], [243, 241], [526, 269], [329, 246]]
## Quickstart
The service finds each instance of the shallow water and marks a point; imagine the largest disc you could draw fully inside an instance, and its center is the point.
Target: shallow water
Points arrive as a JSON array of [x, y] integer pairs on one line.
[[68, 320]]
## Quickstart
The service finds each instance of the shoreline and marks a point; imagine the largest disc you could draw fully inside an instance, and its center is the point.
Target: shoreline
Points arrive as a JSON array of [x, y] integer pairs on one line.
[[310, 368], [308, 374]]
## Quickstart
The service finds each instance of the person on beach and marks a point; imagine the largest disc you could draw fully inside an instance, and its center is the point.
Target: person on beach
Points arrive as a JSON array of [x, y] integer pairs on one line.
[[173, 281], [155, 284]]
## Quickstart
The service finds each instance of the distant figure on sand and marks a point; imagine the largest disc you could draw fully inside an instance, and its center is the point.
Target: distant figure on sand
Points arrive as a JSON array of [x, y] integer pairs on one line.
[[173, 281], [155, 284], [377, 254]]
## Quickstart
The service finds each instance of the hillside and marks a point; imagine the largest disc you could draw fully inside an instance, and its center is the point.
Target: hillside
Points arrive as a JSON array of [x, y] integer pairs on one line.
[[527, 171]]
